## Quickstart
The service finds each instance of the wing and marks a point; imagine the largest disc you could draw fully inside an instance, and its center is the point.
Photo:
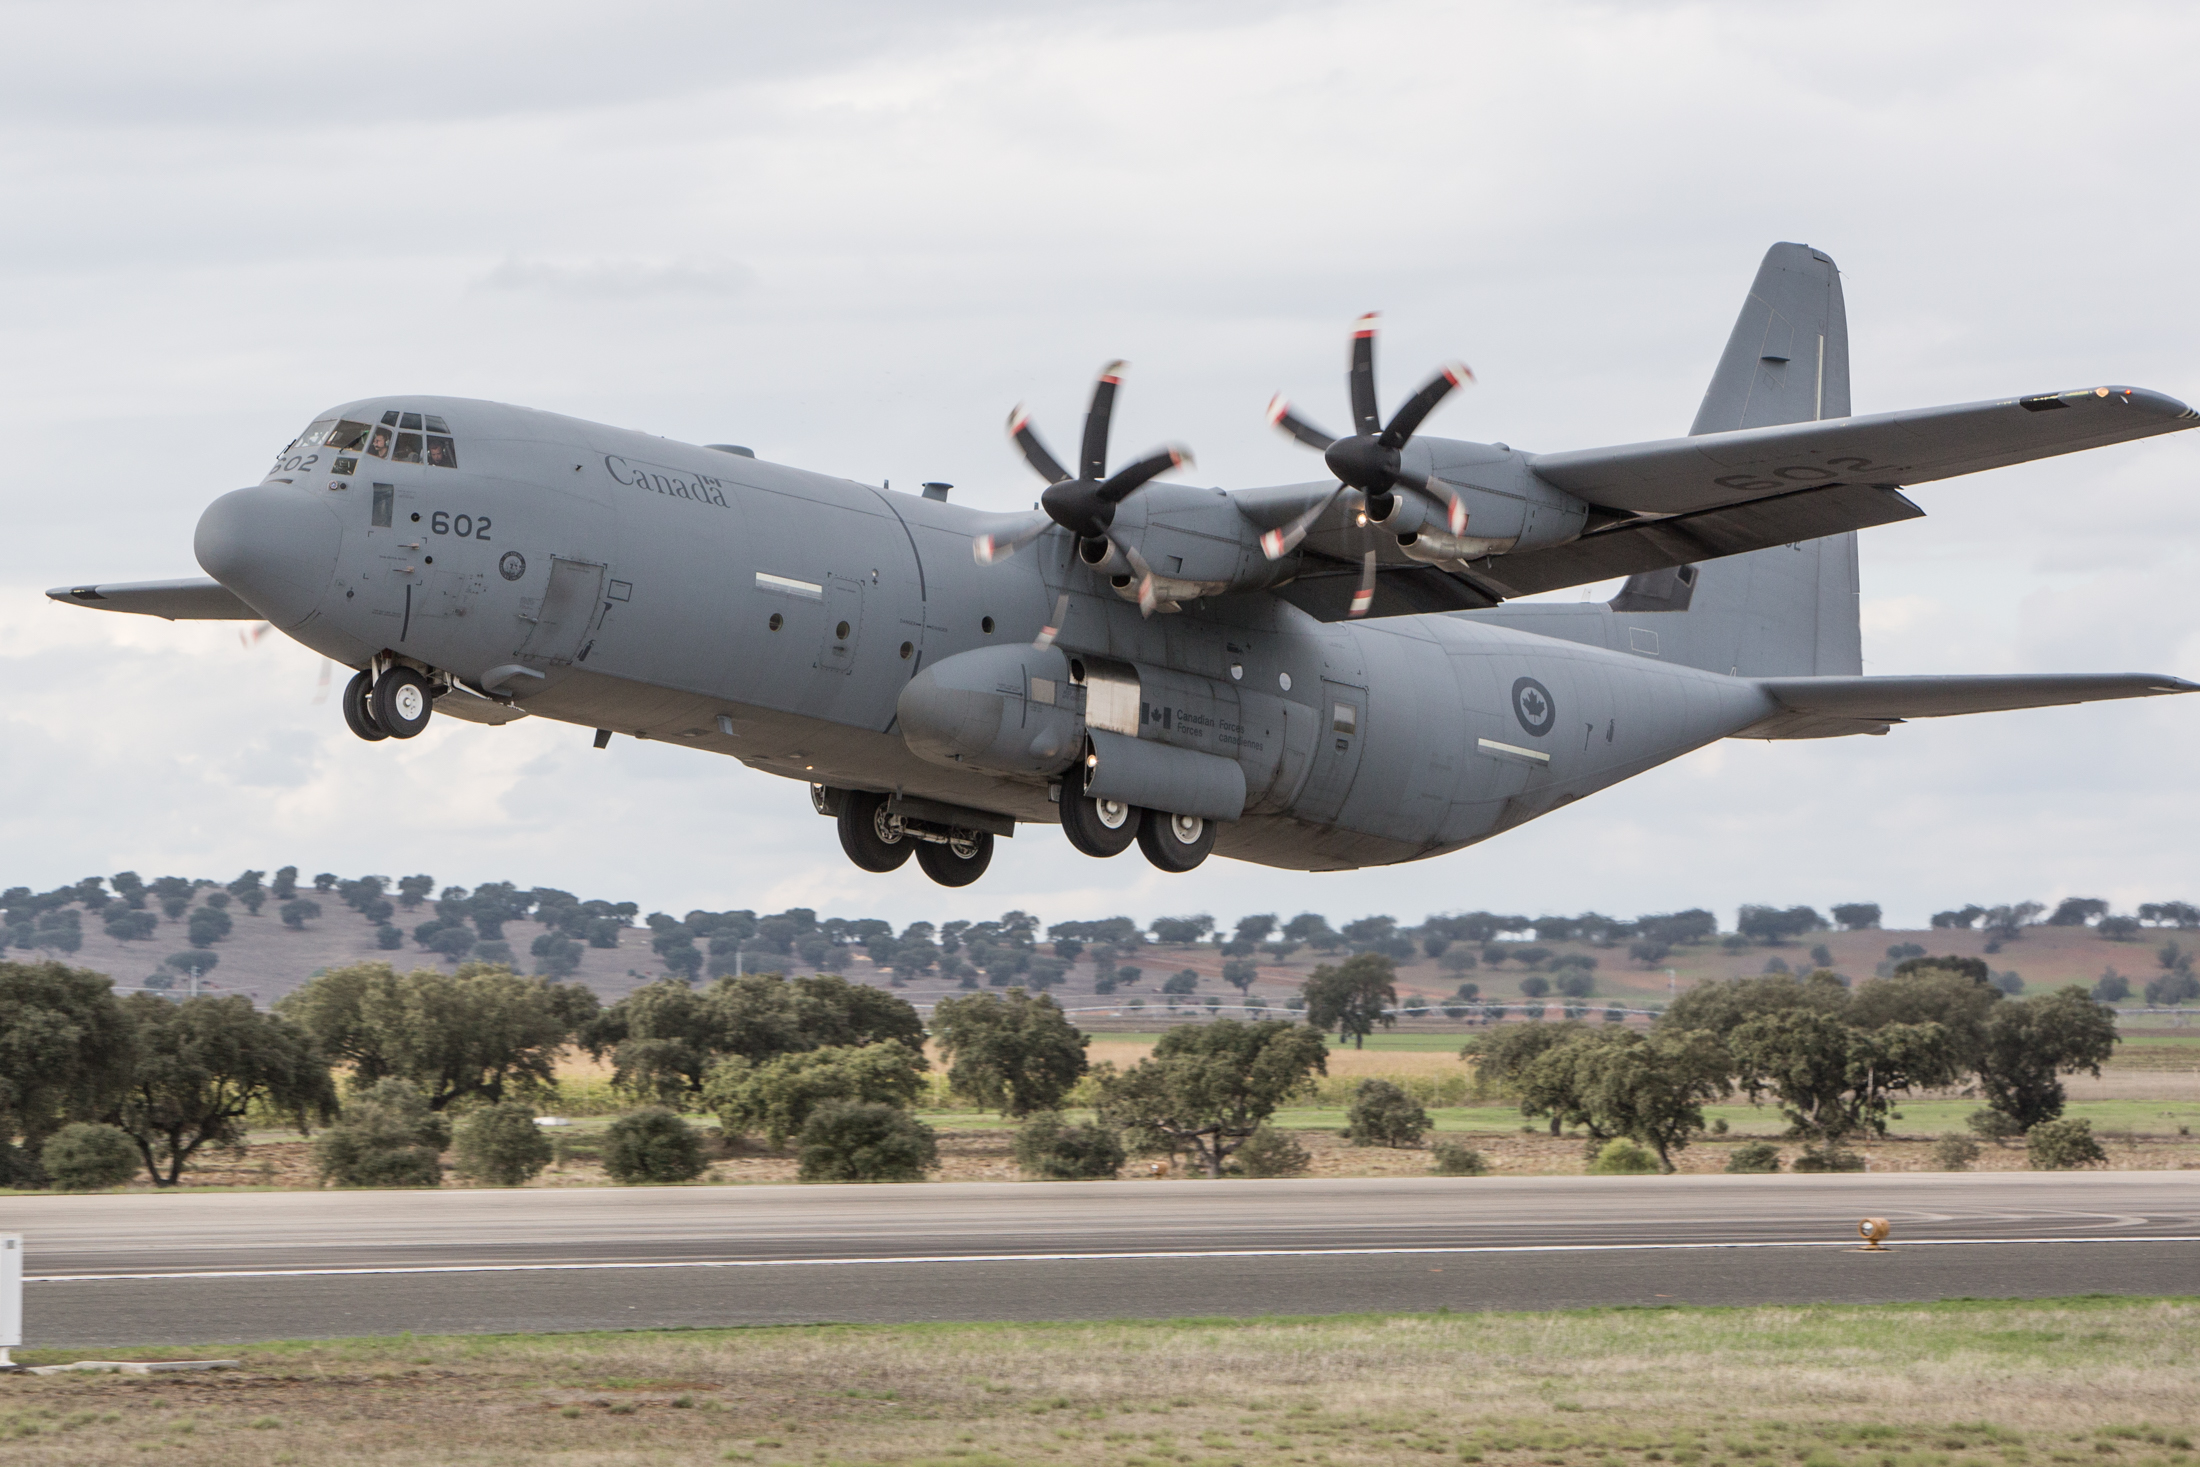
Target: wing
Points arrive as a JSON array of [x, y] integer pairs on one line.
[[188, 600], [1714, 470], [1825, 707]]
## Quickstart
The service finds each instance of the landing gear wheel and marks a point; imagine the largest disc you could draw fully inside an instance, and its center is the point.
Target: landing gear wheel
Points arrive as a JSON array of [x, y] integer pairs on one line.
[[959, 862], [1175, 842], [872, 838], [1096, 827], [358, 708], [401, 702]]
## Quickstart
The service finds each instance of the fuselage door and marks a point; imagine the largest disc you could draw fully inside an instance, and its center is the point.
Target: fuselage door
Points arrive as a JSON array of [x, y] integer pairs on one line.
[[556, 623], [1336, 752]]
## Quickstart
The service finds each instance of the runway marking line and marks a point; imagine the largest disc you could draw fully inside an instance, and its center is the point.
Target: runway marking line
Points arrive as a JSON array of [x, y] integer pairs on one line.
[[443, 1268]]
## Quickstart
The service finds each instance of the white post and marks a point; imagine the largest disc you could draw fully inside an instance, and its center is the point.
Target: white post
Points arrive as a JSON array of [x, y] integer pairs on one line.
[[11, 1295]]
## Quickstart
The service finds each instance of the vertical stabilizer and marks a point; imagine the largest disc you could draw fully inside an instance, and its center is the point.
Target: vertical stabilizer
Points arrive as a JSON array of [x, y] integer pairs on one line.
[[1790, 611]]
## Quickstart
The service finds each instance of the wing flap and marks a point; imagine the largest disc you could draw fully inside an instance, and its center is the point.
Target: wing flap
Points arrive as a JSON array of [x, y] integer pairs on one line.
[[196, 599], [1680, 475]]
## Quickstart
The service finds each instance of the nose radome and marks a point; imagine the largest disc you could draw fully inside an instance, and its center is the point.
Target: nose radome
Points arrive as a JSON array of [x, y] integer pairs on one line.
[[273, 545]]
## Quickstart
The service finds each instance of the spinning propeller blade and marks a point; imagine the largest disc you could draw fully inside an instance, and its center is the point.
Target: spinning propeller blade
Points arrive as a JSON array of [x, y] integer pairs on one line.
[[1363, 598]]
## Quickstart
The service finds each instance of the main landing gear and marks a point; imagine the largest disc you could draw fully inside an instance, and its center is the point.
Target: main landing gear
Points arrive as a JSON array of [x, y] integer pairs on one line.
[[877, 840], [394, 705], [1174, 843]]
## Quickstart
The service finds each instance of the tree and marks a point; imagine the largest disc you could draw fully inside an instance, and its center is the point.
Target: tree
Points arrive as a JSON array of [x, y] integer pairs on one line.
[[1207, 1087], [482, 1031], [386, 1137], [86, 1157], [413, 890], [1015, 1053], [1054, 1150], [1182, 982], [1856, 916], [778, 1096], [1955, 993], [1720, 1007], [2054, 1146], [209, 926], [202, 1064], [849, 1141], [130, 887], [1241, 974], [652, 1145], [1313, 930], [2175, 987], [2028, 1042], [66, 1050], [2111, 987], [1182, 931], [173, 893], [1382, 1114], [1352, 998], [1775, 925], [297, 912], [1831, 1078], [1651, 1089], [501, 1145], [2077, 911]]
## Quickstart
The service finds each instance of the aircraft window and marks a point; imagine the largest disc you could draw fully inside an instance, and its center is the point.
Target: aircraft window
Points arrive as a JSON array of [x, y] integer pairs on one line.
[[385, 500], [410, 420], [389, 419], [312, 436], [379, 444], [437, 425], [1344, 718], [408, 446], [347, 437], [442, 453]]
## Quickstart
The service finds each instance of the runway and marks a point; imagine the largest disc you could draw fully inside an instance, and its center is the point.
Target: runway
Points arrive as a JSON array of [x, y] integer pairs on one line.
[[229, 1267]]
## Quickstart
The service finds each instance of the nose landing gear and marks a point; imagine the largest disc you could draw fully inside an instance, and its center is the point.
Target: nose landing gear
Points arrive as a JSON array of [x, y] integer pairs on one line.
[[394, 704]]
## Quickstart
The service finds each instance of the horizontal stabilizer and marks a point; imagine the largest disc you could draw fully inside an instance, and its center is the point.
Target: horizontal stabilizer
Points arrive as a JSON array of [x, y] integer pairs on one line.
[[1825, 707], [197, 599], [1680, 475]]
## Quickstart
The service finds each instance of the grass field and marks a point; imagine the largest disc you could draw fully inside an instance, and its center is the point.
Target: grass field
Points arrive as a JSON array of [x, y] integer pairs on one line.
[[1962, 1384]]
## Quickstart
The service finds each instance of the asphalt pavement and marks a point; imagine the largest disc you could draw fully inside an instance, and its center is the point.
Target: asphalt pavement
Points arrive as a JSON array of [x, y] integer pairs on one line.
[[229, 1267]]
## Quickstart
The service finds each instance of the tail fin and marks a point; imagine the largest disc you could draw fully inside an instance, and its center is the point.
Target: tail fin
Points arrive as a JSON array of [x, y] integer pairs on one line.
[[1790, 611]]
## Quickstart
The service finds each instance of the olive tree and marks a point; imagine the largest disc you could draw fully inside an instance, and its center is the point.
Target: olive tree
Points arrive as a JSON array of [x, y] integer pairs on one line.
[[66, 1050], [1353, 997], [2028, 1043], [1206, 1088], [1015, 1053], [201, 1065]]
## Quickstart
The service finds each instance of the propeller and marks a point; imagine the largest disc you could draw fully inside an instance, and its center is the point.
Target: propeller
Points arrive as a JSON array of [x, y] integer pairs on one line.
[[1372, 459], [1084, 503]]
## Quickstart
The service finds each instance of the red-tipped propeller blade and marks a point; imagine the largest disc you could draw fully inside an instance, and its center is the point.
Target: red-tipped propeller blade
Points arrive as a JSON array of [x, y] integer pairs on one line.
[[1035, 453], [1364, 598], [1001, 544], [1278, 543], [1280, 414], [1361, 379]]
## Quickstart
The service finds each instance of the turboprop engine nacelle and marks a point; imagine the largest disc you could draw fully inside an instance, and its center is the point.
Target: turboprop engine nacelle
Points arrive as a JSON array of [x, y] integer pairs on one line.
[[1508, 507]]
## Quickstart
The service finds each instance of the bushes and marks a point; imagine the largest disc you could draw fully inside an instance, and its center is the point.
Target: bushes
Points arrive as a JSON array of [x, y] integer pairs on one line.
[[1754, 1158], [1454, 1158], [1829, 1159], [1269, 1152], [857, 1141], [1052, 1151], [1993, 1125], [2056, 1146], [1622, 1158], [89, 1158], [387, 1138], [1384, 1115], [777, 1096], [1954, 1153], [501, 1144], [652, 1146]]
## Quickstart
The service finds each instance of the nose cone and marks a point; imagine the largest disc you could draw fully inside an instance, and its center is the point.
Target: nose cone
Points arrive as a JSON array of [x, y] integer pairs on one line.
[[274, 545]]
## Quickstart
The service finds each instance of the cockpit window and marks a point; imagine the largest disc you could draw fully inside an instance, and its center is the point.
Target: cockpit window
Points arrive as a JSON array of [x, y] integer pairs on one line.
[[312, 436], [410, 420], [389, 419], [407, 450], [379, 444], [436, 424], [442, 453], [347, 437]]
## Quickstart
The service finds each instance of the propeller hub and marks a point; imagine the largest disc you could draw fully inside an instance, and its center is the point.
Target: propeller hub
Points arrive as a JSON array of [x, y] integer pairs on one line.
[[1362, 462], [1076, 505]]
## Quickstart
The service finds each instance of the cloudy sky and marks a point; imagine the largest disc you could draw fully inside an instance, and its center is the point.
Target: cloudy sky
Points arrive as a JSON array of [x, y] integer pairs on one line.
[[852, 235]]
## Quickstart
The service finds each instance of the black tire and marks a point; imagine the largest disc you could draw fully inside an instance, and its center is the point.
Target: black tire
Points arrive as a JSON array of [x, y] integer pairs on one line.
[[871, 839], [402, 702], [359, 710], [1163, 838], [959, 862], [1094, 828]]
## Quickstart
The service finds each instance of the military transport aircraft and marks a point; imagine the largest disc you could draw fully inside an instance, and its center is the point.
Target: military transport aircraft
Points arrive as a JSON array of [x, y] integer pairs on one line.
[[1320, 675]]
